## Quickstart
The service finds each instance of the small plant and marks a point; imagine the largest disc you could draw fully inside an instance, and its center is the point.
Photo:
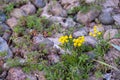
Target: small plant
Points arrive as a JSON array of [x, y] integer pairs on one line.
[[9, 8]]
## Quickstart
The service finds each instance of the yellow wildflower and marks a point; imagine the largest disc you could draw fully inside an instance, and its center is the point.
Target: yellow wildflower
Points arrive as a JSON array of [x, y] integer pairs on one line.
[[70, 36], [63, 39], [79, 41]]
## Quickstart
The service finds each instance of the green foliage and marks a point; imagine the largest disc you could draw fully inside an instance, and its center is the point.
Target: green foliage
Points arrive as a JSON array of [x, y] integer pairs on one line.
[[72, 67], [84, 7], [9, 8], [3, 54], [101, 48]]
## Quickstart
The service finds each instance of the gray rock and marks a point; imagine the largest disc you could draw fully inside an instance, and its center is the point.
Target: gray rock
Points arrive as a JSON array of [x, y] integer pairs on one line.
[[42, 41], [81, 32], [3, 28], [18, 13], [106, 18], [107, 76], [109, 34], [117, 18], [31, 77], [2, 17], [69, 23], [53, 58], [16, 74], [5, 48], [90, 41], [111, 3], [56, 9], [89, 1], [12, 22], [72, 4], [84, 18], [29, 8], [39, 3]]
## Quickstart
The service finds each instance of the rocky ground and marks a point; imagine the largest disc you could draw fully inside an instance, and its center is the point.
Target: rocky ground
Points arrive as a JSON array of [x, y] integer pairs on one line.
[[29, 27]]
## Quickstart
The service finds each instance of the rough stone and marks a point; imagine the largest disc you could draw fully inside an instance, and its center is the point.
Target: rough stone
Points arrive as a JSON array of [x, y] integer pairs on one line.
[[43, 41], [39, 3], [2, 17], [85, 18], [81, 32], [90, 41], [106, 18], [53, 58], [29, 9], [111, 3], [109, 34], [12, 22], [56, 9], [117, 18], [18, 13], [4, 47], [16, 74], [69, 23]]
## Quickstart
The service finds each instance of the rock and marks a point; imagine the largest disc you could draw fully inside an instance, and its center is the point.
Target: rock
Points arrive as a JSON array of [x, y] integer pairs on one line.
[[106, 27], [89, 1], [16, 74], [40, 75], [111, 3], [90, 41], [117, 18], [12, 22], [55, 40], [81, 32], [2, 17], [115, 41], [69, 23], [31, 77], [43, 41], [85, 18], [18, 13], [3, 28], [5, 31], [109, 34], [5, 48], [29, 9], [39, 3], [56, 9], [106, 18], [107, 76], [53, 58], [69, 4]]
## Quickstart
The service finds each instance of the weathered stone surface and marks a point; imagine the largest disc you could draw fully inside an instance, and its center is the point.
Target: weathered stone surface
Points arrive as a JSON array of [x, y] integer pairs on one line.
[[106, 18], [5, 48], [2, 17], [111, 3], [90, 41], [18, 13], [16, 74], [109, 34], [12, 22], [29, 8], [39, 3], [81, 32], [117, 18], [56, 9], [85, 18]]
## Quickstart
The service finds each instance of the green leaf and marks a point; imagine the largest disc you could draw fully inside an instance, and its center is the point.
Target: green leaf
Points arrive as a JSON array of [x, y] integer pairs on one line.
[[116, 47], [103, 63]]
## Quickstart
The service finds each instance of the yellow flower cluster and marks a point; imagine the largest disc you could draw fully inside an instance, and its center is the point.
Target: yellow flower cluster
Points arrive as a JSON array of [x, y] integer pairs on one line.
[[95, 33], [65, 39], [79, 41]]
